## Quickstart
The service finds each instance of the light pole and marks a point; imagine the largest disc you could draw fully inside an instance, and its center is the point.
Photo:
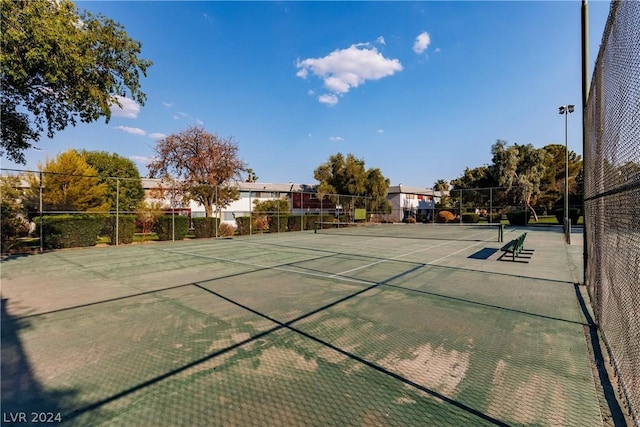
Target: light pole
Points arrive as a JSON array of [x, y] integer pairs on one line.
[[565, 110]]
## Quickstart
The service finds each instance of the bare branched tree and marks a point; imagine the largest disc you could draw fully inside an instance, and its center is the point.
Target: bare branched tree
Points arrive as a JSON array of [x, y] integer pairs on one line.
[[205, 166]]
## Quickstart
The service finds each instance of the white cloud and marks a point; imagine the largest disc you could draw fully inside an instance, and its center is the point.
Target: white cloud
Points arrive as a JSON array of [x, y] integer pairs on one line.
[[311, 92], [336, 138], [381, 40], [328, 98], [141, 159], [180, 115], [422, 42], [167, 105], [134, 131], [157, 135], [380, 130], [344, 69], [128, 108]]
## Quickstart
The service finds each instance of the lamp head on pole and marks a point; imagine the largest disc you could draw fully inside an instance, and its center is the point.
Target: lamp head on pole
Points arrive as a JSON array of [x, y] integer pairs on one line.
[[566, 109]]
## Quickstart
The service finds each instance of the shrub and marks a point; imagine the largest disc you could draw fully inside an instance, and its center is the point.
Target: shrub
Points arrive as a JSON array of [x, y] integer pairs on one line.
[[311, 221], [126, 229], [574, 214], [445, 216], [226, 230], [71, 231], [518, 217], [494, 217], [278, 223], [260, 223], [243, 224], [294, 222], [164, 227], [470, 218], [204, 227]]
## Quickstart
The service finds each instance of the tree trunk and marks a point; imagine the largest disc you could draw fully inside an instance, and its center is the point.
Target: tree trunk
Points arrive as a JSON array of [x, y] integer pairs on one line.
[[533, 211]]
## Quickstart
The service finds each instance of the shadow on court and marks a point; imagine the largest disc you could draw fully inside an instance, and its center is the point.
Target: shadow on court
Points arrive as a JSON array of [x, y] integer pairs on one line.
[[297, 330], [23, 396]]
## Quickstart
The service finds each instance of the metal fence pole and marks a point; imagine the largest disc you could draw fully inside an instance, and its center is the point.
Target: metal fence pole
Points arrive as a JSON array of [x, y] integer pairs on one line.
[[41, 218], [117, 211]]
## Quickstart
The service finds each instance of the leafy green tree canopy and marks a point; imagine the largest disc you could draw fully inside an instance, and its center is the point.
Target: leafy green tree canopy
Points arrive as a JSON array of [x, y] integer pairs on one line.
[[348, 176], [128, 188], [60, 66], [520, 168]]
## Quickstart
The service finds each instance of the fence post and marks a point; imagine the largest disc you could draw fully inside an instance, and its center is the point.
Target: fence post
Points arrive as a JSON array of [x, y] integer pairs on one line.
[[490, 205], [461, 206], [117, 211], [41, 218], [173, 212]]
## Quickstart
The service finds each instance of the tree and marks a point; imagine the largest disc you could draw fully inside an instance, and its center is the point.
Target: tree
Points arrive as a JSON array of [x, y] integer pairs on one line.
[[128, 188], [205, 165], [251, 176], [472, 180], [147, 215], [376, 189], [70, 184], [60, 66], [520, 168], [442, 186], [552, 184], [348, 177], [13, 216]]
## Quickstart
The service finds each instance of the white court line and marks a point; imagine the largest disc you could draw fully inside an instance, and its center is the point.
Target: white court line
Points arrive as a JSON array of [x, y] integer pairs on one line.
[[304, 273], [390, 259], [339, 276]]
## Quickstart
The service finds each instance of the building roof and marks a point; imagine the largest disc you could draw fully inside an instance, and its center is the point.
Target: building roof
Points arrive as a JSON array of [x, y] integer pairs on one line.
[[407, 189], [149, 183]]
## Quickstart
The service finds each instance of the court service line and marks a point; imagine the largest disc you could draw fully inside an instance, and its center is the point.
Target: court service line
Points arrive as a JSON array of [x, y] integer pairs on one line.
[[387, 260], [447, 256], [276, 267]]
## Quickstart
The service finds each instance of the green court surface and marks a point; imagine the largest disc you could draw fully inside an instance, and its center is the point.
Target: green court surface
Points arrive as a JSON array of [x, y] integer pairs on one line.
[[303, 328]]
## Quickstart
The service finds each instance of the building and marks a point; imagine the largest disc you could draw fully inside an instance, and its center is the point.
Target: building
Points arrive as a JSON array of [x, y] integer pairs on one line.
[[406, 201]]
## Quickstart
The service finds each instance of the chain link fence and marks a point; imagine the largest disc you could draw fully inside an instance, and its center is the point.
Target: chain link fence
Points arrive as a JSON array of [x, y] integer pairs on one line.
[[612, 191]]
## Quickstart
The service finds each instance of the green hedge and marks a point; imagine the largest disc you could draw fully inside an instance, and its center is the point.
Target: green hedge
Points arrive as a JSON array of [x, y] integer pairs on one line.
[[205, 227], [518, 217], [278, 223], [574, 215], [470, 218], [310, 221], [126, 229], [294, 222], [71, 231], [165, 224], [494, 218], [243, 225]]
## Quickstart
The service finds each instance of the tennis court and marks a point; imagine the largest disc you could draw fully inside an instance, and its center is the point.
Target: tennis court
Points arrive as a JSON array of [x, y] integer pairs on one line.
[[402, 325]]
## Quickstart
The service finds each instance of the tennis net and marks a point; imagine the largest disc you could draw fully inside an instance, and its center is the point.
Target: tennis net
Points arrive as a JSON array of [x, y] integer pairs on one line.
[[465, 232]]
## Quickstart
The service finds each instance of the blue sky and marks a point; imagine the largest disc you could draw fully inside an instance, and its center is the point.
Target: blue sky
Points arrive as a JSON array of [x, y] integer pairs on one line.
[[420, 90]]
